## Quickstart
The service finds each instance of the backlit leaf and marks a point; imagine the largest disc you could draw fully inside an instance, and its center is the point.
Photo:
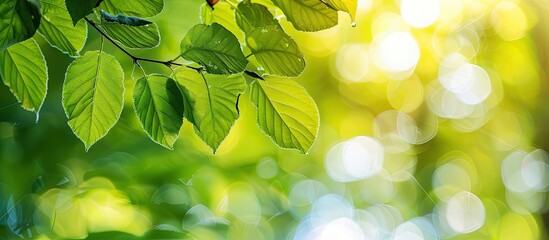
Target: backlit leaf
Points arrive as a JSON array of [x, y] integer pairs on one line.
[[223, 14], [146, 36], [93, 95], [79, 9], [59, 31], [275, 51], [308, 15], [159, 106], [348, 6], [19, 20], [252, 15], [23, 69], [141, 8], [214, 47], [212, 100], [286, 113]]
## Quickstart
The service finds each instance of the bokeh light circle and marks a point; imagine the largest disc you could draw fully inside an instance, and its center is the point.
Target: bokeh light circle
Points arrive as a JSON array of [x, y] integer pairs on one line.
[[352, 62], [355, 159], [396, 51], [420, 13], [464, 212]]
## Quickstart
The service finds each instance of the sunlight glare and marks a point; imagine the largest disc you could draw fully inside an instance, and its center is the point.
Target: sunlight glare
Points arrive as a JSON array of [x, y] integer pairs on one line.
[[420, 13]]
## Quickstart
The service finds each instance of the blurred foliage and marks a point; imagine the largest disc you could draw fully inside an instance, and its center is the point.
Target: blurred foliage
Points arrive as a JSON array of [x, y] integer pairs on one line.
[[431, 127]]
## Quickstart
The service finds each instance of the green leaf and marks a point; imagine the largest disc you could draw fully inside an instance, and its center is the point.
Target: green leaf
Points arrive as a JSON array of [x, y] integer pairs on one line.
[[214, 47], [133, 37], [223, 14], [124, 20], [159, 106], [308, 15], [253, 15], [23, 69], [286, 113], [79, 9], [206, 16], [348, 6], [19, 20], [58, 30], [93, 95], [141, 8], [275, 51], [212, 100]]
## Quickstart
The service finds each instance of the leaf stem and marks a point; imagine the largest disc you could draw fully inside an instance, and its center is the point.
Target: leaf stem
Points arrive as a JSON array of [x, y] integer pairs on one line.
[[134, 58]]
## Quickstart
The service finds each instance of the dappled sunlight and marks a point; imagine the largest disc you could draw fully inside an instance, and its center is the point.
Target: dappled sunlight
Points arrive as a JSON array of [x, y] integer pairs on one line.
[[93, 206]]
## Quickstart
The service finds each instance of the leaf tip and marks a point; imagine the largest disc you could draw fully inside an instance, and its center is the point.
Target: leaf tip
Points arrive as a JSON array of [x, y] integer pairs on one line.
[[87, 146]]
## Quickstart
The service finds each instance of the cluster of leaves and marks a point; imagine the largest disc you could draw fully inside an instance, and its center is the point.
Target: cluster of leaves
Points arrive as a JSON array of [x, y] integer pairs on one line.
[[206, 92]]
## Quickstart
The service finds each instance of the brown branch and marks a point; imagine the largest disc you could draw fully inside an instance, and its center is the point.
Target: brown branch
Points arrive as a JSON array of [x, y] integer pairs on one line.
[[134, 58], [168, 64]]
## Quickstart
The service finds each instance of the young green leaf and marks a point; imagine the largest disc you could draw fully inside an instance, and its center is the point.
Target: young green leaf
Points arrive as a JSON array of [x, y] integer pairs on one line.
[[214, 47], [23, 69], [348, 6], [253, 15], [19, 20], [158, 104], [93, 95], [58, 30], [223, 14], [79, 9], [275, 51], [308, 15], [133, 37], [124, 20], [212, 100], [206, 14], [286, 113], [141, 8]]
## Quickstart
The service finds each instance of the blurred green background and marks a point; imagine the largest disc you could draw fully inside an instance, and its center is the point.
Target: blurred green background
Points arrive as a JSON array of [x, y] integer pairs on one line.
[[434, 124]]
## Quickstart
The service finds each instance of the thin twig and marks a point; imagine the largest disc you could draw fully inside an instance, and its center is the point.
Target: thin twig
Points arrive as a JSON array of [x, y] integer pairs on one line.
[[134, 58], [168, 64]]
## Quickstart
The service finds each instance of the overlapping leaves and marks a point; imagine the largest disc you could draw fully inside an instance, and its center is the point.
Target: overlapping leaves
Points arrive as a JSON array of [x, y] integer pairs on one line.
[[207, 94], [211, 101], [19, 20], [132, 32], [59, 31], [276, 52], [159, 106], [215, 48]]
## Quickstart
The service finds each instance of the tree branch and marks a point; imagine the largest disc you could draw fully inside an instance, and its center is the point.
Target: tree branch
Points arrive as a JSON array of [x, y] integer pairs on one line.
[[168, 63], [134, 58]]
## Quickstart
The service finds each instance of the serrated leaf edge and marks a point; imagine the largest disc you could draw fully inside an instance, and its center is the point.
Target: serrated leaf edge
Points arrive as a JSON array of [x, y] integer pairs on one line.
[[141, 124], [157, 32], [273, 140], [67, 115], [37, 111], [61, 50]]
